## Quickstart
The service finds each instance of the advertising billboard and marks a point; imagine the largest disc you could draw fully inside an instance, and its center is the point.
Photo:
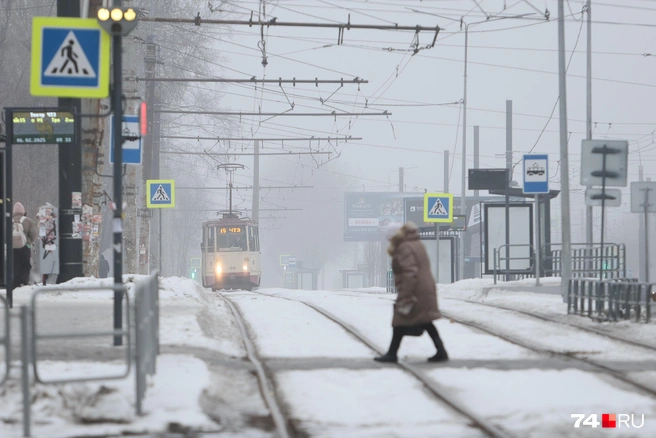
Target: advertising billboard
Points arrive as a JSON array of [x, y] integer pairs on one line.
[[367, 214]]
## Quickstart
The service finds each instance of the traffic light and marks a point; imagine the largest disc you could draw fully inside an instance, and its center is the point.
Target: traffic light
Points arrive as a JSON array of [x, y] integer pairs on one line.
[[143, 119], [118, 21], [194, 272]]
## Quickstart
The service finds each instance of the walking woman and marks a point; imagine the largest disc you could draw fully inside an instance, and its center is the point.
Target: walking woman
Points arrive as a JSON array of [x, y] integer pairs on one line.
[[416, 303]]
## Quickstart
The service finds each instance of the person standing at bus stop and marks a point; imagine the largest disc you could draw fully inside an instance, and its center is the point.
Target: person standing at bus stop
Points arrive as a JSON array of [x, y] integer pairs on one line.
[[416, 302], [24, 234]]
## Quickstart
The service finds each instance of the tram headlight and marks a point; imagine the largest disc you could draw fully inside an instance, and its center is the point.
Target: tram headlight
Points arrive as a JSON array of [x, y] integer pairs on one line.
[[218, 268], [245, 267]]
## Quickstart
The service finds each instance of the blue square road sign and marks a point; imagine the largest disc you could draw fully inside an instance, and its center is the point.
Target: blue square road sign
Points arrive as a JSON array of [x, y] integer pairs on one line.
[[438, 207], [160, 193]]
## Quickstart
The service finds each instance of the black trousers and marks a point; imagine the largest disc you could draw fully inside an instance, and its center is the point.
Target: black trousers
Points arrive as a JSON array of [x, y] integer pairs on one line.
[[400, 332], [22, 266]]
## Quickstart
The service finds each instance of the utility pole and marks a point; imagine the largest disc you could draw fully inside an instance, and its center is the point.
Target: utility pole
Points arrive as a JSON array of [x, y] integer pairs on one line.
[[476, 151], [642, 253], [589, 230], [509, 169], [401, 179], [566, 261], [70, 180], [446, 171], [93, 129], [256, 181], [130, 189]]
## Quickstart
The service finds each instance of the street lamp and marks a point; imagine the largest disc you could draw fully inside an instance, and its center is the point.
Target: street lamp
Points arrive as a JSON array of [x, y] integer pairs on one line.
[[463, 188], [463, 204], [118, 22]]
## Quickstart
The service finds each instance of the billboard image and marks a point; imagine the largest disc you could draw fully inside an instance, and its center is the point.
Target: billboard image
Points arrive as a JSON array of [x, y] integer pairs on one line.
[[367, 214]]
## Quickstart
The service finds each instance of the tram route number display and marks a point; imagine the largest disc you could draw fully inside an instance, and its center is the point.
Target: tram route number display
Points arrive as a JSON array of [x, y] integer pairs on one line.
[[230, 230], [43, 126]]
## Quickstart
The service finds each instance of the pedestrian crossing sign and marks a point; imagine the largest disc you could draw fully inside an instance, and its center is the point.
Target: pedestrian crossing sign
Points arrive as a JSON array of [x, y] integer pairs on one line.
[[438, 207], [70, 58], [160, 193]]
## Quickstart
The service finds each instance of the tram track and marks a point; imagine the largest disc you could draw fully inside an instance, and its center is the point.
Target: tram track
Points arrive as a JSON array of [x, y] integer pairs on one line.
[[617, 374], [267, 386], [435, 389], [556, 321]]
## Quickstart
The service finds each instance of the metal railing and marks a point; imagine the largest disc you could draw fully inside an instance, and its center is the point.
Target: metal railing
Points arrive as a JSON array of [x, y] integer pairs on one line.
[[610, 300], [528, 272], [146, 334], [5, 340], [143, 351], [390, 286], [35, 337], [587, 260]]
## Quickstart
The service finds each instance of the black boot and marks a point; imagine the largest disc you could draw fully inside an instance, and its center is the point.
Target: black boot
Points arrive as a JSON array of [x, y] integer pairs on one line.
[[440, 356], [387, 357]]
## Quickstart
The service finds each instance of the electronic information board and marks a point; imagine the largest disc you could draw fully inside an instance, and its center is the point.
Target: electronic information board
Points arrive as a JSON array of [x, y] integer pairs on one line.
[[43, 125]]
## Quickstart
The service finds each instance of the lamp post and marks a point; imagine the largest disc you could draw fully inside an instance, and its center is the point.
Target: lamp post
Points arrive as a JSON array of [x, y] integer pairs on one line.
[[463, 188], [118, 22]]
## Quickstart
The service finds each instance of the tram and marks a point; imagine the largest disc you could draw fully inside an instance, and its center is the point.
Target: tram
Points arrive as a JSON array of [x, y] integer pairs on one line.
[[231, 253]]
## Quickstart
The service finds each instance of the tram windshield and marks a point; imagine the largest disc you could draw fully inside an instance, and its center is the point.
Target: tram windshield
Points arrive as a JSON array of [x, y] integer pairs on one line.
[[231, 238]]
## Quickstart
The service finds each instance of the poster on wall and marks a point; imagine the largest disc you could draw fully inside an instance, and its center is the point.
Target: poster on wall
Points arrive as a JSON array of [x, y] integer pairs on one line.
[[48, 239]]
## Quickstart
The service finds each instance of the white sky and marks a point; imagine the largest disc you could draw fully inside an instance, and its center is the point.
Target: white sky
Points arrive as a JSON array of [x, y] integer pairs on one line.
[[511, 59]]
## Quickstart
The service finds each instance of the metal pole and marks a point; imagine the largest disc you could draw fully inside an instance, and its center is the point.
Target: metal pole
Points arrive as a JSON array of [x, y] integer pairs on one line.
[[25, 368], [603, 212], [476, 151], [70, 178], [8, 204], [589, 227], [117, 104], [437, 253], [256, 181], [641, 236], [509, 179], [446, 171], [564, 160], [538, 255], [160, 241], [401, 179], [646, 237], [463, 195], [476, 194]]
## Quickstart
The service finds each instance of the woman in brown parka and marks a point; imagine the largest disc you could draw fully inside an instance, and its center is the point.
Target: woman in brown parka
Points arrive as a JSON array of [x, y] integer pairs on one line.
[[416, 303]]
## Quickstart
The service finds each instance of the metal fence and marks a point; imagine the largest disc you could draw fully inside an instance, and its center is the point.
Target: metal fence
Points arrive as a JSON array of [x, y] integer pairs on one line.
[[390, 286], [34, 336], [587, 260], [513, 274], [610, 300], [143, 350]]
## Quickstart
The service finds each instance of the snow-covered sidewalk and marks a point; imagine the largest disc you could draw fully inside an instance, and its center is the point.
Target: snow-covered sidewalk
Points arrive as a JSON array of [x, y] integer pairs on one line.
[[183, 395]]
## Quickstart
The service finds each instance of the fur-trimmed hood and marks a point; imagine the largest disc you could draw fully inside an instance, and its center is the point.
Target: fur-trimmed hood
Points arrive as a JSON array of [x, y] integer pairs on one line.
[[408, 231]]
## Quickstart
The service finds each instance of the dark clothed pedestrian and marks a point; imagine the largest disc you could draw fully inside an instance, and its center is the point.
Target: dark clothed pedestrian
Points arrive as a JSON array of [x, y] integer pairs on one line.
[[103, 267], [22, 248], [416, 306]]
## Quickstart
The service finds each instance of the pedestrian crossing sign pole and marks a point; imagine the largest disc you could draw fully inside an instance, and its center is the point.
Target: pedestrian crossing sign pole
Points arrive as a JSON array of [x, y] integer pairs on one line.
[[438, 207], [70, 58], [160, 193]]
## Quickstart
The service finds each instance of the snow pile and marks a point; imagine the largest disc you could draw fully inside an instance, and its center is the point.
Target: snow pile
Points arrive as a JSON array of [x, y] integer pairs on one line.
[[108, 407]]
